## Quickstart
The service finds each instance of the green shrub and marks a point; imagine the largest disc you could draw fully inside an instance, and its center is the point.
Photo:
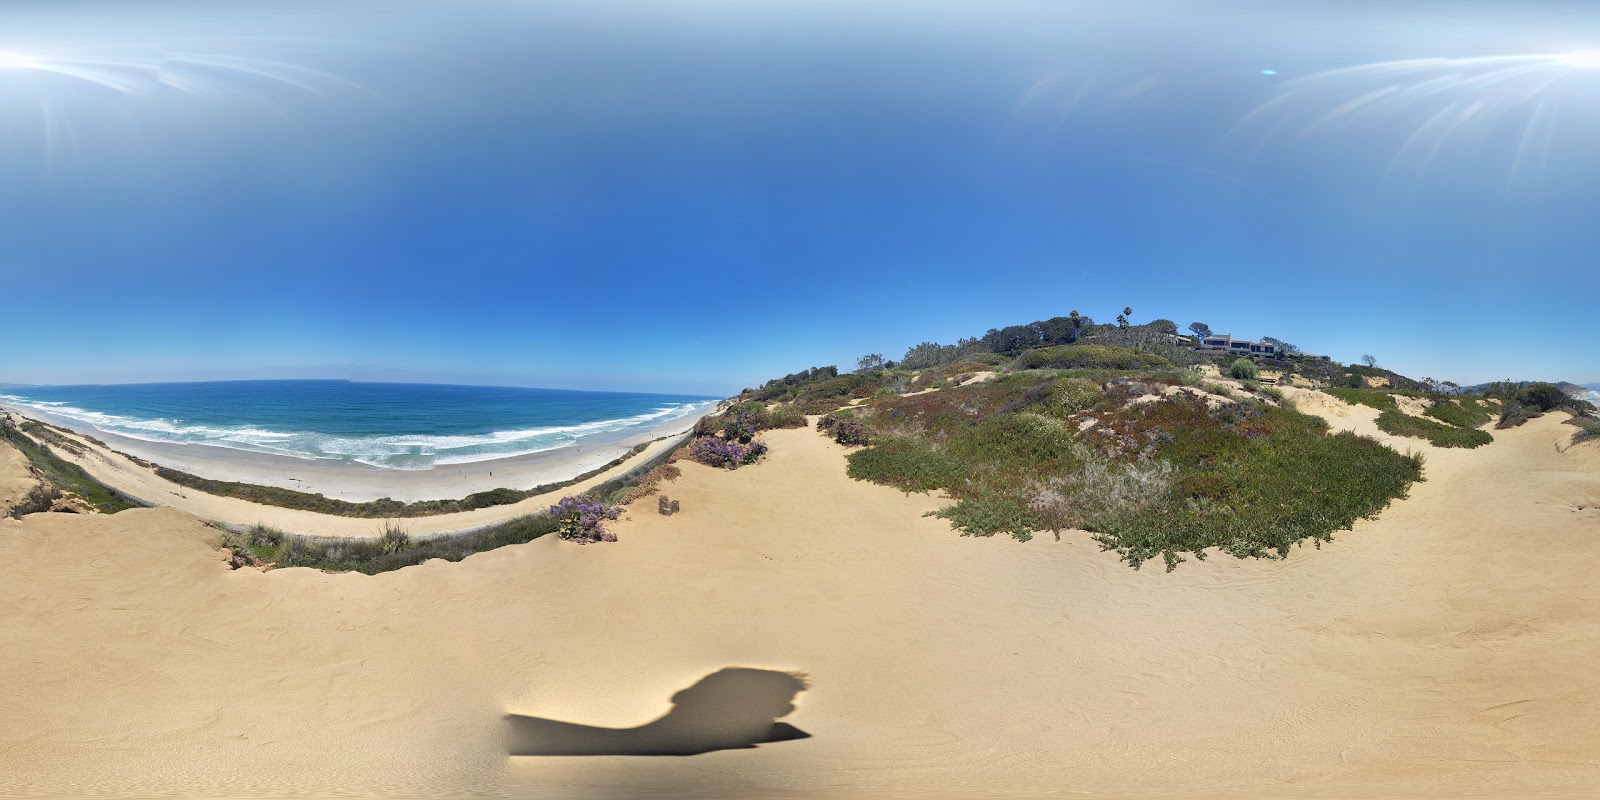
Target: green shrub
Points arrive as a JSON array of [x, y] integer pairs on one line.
[[1372, 398], [1354, 381], [1462, 413], [1544, 396], [1090, 356], [1396, 423], [493, 497], [1243, 369], [909, 464], [989, 514], [1071, 395]]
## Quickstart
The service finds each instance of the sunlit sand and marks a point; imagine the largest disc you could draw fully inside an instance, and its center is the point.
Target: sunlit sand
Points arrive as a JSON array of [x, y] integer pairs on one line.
[[1445, 649]]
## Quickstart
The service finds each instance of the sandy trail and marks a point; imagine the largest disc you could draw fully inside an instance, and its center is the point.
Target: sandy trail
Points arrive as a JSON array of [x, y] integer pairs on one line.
[[1447, 649]]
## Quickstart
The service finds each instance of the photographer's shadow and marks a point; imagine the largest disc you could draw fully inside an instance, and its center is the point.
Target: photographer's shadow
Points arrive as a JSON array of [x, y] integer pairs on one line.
[[733, 708]]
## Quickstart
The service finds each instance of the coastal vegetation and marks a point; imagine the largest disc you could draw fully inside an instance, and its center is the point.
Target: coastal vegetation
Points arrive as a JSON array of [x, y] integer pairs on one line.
[[1588, 430], [393, 548], [1398, 423], [63, 478], [1450, 422], [1522, 402], [1462, 412], [727, 453], [1150, 466], [383, 508], [584, 521]]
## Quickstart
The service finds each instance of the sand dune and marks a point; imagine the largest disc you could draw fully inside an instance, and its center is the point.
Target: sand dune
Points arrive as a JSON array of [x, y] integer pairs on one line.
[[1446, 649]]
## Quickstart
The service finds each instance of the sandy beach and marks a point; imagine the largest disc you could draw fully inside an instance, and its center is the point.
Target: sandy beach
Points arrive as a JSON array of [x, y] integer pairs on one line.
[[142, 483], [1446, 649], [359, 482]]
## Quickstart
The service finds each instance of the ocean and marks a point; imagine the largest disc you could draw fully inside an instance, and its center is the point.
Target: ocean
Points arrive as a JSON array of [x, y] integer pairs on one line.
[[392, 425]]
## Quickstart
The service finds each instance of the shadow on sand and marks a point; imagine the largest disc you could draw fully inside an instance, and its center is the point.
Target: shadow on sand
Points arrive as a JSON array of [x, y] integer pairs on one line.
[[729, 709]]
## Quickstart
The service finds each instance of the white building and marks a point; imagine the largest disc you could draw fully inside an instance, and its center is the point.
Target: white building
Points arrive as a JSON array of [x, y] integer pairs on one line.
[[1225, 343]]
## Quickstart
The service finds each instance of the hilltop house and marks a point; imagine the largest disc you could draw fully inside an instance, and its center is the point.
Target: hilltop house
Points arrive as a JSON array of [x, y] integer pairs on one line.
[[1225, 343]]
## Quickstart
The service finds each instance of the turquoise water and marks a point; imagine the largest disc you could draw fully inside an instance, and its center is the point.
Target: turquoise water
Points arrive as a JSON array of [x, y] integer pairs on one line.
[[392, 425]]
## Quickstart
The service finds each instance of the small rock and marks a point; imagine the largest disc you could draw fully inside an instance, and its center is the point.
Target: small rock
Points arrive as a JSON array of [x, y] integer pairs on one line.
[[674, 506], [664, 506]]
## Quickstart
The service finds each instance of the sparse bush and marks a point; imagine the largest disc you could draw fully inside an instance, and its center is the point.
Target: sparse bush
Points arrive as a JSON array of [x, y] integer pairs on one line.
[[1588, 429], [851, 432], [1243, 369], [580, 521], [649, 484], [783, 417], [826, 422], [393, 538]]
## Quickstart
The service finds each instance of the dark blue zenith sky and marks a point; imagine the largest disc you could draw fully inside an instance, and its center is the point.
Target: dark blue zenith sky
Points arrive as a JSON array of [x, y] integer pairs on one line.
[[694, 196]]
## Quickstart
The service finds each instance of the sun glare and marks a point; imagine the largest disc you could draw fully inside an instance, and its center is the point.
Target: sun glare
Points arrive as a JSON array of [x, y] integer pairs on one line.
[[1589, 59], [14, 61]]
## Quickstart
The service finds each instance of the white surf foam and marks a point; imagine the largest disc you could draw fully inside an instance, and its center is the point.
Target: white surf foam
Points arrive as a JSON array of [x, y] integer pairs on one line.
[[404, 451]]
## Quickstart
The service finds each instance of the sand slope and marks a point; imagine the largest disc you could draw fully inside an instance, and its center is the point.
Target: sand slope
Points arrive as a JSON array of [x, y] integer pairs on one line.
[[16, 479], [1446, 649]]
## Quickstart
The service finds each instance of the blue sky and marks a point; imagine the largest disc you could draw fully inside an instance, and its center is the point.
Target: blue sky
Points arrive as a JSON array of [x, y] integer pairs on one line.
[[695, 196]]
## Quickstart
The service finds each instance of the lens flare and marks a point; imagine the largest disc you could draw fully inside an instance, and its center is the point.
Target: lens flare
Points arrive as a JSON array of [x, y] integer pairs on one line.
[[1588, 59], [1521, 111], [50, 98]]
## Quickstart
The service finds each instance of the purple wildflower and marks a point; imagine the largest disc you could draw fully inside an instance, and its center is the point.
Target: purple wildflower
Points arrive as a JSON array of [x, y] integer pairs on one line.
[[584, 522]]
